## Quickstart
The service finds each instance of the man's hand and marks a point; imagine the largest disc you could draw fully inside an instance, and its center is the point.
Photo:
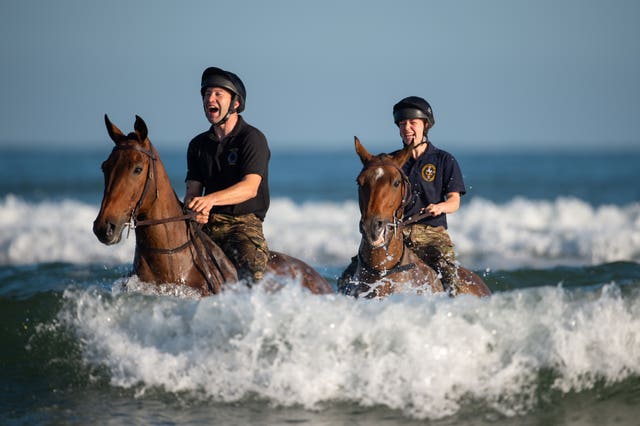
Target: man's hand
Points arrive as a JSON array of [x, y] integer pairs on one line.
[[202, 206]]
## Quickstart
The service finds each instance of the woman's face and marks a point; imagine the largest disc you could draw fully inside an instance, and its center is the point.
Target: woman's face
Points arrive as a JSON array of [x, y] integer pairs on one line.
[[412, 130]]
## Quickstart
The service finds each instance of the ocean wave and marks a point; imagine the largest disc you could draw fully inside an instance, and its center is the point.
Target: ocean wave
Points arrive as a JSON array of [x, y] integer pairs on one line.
[[488, 235], [533, 233], [426, 356]]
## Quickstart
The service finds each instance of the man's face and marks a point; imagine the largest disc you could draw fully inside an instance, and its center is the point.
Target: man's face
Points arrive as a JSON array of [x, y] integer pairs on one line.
[[412, 130], [216, 102]]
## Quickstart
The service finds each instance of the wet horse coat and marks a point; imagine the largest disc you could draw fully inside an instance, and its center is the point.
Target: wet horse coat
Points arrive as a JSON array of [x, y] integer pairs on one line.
[[385, 265], [170, 247]]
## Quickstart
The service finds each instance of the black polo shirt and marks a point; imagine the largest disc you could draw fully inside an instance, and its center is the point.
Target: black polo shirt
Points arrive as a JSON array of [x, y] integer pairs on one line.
[[432, 175], [219, 164]]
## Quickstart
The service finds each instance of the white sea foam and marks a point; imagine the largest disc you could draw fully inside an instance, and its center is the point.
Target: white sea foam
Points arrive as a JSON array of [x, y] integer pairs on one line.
[[534, 233], [54, 232], [425, 356], [515, 234]]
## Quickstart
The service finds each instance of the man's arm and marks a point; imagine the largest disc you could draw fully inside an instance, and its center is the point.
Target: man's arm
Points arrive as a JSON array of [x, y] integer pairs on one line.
[[238, 193], [194, 189]]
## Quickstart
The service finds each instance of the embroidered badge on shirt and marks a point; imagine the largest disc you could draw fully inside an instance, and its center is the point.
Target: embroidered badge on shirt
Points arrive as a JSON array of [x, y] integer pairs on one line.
[[428, 172], [232, 157]]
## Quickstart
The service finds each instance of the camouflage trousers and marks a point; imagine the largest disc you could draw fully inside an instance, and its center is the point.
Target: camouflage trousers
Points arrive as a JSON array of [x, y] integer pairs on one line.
[[434, 246], [242, 239]]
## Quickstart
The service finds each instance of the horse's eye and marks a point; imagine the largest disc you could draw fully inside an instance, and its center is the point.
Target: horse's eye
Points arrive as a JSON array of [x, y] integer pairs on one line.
[[137, 170], [396, 183]]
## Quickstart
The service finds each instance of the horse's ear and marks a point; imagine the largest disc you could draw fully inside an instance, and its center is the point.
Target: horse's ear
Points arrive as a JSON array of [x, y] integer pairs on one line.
[[141, 128], [364, 155], [403, 155], [115, 134]]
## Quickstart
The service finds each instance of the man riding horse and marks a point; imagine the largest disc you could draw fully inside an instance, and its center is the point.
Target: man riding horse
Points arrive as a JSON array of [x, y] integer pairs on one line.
[[436, 186], [227, 176]]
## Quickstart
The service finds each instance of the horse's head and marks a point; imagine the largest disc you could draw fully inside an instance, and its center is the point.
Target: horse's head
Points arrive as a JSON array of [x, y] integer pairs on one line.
[[383, 191], [128, 181]]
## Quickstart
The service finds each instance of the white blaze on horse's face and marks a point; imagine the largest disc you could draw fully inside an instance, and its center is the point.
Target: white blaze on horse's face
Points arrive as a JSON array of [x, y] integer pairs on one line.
[[378, 173]]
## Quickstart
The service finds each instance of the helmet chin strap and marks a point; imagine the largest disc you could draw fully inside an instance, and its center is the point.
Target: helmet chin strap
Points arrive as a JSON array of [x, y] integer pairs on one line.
[[230, 111], [424, 141]]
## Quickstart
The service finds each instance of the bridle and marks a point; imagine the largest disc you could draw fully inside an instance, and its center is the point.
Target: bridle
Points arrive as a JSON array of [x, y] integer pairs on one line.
[[134, 222], [398, 221], [193, 231], [398, 217], [407, 194]]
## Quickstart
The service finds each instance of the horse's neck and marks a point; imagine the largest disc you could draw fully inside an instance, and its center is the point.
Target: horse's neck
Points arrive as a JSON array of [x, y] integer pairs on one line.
[[382, 258]]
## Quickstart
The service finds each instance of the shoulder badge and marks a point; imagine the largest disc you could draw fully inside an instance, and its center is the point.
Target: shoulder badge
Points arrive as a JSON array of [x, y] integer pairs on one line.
[[428, 172]]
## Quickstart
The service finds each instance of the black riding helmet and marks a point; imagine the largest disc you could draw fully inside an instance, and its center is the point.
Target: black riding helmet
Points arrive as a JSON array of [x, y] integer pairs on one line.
[[217, 77], [413, 107]]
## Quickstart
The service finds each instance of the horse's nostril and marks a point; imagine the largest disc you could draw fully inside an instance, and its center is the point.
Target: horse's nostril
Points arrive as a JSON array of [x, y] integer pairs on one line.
[[110, 229], [105, 231]]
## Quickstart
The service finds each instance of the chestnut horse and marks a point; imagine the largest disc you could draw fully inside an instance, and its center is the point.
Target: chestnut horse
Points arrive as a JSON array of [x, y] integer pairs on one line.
[[171, 248], [385, 264]]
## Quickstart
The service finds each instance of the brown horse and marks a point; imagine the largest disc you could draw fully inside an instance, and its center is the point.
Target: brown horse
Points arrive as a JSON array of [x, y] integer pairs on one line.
[[385, 264], [171, 248]]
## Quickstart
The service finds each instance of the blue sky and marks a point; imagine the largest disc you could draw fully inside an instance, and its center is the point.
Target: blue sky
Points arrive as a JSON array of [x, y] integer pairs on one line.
[[500, 74]]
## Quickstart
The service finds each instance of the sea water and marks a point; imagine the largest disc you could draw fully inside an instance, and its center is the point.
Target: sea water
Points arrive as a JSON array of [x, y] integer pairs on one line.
[[555, 235]]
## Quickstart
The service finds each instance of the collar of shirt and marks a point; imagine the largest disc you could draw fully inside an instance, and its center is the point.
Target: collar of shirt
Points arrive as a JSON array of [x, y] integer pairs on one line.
[[236, 129], [411, 162]]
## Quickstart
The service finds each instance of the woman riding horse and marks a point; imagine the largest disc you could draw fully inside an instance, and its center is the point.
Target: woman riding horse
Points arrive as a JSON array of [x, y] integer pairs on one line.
[[434, 184]]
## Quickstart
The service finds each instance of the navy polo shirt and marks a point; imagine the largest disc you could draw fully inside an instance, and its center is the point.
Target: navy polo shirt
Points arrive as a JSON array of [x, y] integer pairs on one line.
[[432, 175], [219, 164]]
